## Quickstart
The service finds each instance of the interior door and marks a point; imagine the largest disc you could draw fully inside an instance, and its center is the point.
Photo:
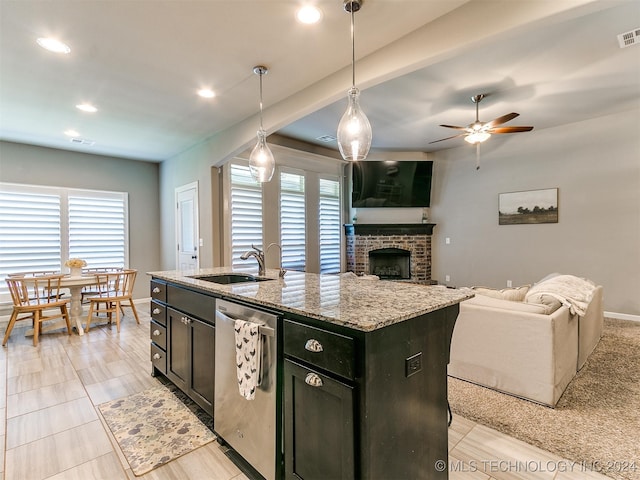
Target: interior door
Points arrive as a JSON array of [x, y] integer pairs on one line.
[[187, 231]]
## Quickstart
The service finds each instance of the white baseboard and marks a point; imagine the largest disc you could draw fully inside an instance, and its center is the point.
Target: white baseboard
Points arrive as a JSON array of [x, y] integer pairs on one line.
[[622, 316]]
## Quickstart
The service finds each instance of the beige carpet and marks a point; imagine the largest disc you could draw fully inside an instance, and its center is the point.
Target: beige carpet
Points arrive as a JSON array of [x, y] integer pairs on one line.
[[154, 427], [596, 420]]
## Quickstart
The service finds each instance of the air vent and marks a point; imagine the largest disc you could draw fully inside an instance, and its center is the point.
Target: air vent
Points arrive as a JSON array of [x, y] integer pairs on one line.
[[82, 141], [327, 138], [629, 38]]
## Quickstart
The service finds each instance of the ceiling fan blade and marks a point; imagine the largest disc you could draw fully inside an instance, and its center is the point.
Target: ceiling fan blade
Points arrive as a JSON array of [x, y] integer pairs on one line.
[[501, 120], [449, 138], [510, 129], [454, 126]]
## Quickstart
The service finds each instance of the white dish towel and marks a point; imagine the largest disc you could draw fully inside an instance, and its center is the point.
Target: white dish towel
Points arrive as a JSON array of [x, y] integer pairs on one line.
[[248, 357]]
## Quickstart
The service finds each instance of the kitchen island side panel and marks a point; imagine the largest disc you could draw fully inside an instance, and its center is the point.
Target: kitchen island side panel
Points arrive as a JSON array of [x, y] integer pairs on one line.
[[405, 411]]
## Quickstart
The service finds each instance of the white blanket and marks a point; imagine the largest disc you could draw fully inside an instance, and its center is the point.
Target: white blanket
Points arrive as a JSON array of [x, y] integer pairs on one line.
[[574, 292]]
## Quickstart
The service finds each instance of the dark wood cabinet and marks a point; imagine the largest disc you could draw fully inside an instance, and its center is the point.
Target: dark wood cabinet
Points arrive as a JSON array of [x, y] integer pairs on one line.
[[318, 424], [191, 357], [158, 336], [182, 333], [366, 404], [178, 361]]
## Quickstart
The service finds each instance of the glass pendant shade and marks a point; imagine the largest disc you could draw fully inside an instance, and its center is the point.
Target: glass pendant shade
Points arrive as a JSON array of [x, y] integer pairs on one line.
[[261, 161], [354, 130]]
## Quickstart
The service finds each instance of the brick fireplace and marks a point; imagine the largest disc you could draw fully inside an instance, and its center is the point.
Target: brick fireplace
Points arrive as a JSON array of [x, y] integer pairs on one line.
[[372, 246]]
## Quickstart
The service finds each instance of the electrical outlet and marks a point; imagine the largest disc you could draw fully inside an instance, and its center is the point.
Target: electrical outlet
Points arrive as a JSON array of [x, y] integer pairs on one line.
[[447, 278], [509, 283], [447, 241], [413, 364]]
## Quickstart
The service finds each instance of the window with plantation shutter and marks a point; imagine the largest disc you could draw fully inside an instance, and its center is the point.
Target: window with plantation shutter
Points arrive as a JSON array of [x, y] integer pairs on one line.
[[41, 227], [246, 213], [97, 229], [292, 221], [300, 210], [30, 237], [329, 221]]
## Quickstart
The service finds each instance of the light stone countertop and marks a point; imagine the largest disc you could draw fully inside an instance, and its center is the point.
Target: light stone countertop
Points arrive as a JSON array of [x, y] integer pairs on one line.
[[358, 303]]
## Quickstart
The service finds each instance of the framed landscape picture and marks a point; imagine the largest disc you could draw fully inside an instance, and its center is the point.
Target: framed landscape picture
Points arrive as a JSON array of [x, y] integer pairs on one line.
[[532, 206]]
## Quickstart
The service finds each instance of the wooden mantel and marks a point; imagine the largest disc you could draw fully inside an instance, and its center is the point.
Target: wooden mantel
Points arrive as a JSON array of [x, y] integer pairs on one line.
[[389, 229]]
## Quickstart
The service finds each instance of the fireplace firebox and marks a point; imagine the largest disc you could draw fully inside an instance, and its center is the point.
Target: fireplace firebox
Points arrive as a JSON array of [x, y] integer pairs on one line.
[[390, 263]]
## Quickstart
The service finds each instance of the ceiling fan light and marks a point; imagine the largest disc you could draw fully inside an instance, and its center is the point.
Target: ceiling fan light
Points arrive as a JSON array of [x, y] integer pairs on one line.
[[53, 45], [261, 161], [354, 130], [477, 137]]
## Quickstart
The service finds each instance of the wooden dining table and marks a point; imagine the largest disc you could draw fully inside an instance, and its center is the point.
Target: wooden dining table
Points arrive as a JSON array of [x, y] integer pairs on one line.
[[75, 284]]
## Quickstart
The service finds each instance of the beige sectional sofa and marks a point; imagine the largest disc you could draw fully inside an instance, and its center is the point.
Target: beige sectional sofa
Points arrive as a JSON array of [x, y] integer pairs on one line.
[[529, 347]]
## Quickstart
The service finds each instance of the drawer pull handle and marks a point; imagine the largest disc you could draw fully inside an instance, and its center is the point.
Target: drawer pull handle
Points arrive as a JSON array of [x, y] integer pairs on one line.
[[156, 311], [313, 380], [156, 333], [156, 356], [155, 290], [313, 345]]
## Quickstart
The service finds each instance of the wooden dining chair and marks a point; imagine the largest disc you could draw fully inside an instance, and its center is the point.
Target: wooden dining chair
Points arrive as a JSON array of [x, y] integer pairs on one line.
[[37, 298], [92, 290], [114, 291]]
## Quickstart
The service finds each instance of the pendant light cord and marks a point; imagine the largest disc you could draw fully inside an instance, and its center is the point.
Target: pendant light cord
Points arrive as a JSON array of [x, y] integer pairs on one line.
[[353, 48], [261, 128]]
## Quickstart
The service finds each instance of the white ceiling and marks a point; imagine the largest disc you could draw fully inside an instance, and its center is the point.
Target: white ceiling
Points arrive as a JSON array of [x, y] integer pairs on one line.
[[141, 63]]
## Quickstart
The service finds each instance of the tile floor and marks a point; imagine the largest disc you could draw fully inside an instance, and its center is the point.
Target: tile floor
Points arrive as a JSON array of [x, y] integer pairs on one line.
[[53, 428]]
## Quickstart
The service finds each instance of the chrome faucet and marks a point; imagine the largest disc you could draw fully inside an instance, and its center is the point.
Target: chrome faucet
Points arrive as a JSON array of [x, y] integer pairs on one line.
[[258, 255], [282, 271]]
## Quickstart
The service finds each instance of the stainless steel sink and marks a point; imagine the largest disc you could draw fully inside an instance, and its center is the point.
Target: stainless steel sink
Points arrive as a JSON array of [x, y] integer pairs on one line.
[[226, 278]]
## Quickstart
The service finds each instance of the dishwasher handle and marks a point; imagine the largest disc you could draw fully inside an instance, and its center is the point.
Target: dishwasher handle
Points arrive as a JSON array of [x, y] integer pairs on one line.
[[262, 329]]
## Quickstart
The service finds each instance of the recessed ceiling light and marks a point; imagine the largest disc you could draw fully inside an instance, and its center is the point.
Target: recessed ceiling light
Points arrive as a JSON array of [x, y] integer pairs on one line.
[[71, 133], [309, 14], [86, 107], [53, 45], [206, 93]]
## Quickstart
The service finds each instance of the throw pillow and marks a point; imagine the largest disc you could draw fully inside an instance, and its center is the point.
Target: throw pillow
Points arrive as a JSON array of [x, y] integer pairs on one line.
[[551, 302], [516, 294]]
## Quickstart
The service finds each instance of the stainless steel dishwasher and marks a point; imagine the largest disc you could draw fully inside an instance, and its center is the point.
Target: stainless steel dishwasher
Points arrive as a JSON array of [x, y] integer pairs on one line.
[[248, 426]]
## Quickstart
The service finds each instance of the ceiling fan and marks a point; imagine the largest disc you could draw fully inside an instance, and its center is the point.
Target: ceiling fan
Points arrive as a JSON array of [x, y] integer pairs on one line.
[[477, 132]]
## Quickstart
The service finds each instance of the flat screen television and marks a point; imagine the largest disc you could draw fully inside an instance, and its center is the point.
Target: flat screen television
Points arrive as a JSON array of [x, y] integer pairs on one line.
[[379, 184]]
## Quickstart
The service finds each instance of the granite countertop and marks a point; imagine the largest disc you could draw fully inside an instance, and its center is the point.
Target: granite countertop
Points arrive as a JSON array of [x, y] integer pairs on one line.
[[359, 303]]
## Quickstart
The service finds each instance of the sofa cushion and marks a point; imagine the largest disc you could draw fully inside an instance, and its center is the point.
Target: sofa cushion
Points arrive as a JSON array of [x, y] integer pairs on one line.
[[514, 294], [491, 302]]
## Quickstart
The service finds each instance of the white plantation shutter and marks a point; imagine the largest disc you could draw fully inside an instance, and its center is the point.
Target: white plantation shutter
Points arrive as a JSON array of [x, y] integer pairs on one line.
[[329, 220], [246, 213], [97, 230], [292, 221], [30, 238], [41, 227]]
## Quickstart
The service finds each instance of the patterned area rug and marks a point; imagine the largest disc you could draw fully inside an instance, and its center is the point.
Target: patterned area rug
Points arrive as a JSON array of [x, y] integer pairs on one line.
[[154, 427], [597, 419]]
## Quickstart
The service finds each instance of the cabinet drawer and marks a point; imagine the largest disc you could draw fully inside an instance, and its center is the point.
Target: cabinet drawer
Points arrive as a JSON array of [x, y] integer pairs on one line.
[[196, 304], [159, 358], [159, 291], [327, 350], [159, 313], [158, 335]]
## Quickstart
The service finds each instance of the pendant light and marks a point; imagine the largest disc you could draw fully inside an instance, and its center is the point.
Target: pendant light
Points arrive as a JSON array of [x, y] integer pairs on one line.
[[261, 161], [354, 129]]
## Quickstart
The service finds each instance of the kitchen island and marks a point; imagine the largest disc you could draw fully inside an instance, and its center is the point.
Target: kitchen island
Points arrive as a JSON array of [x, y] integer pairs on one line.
[[361, 386]]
